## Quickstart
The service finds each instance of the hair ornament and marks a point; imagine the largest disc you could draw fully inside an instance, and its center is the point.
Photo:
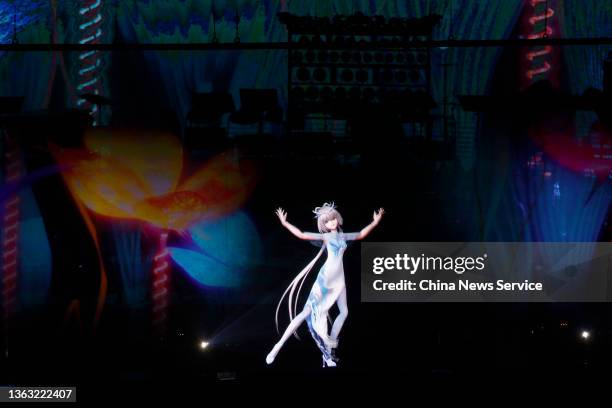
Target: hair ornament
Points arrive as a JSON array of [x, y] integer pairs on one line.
[[324, 209]]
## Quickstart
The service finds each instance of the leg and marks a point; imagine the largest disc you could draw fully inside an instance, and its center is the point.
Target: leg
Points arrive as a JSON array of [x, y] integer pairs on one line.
[[342, 306], [293, 326]]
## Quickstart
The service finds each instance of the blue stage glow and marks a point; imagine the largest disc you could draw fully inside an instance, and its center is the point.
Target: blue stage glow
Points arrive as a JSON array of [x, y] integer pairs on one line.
[[133, 267], [574, 212], [18, 14], [35, 255], [227, 249], [34, 277]]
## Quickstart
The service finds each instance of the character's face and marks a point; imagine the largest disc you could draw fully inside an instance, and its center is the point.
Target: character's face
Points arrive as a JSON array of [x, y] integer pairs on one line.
[[332, 224]]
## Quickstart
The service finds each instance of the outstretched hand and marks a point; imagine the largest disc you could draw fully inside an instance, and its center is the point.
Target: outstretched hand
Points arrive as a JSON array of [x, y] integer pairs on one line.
[[282, 215], [378, 215]]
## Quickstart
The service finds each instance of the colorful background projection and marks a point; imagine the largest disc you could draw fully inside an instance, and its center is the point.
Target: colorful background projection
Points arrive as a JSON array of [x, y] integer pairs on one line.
[[193, 217]]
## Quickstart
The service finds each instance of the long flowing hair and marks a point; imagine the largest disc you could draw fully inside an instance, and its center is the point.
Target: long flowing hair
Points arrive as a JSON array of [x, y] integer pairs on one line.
[[323, 214]]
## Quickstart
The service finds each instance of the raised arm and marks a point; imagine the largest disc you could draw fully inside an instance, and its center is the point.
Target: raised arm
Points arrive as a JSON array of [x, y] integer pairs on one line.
[[282, 216], [368, 228]]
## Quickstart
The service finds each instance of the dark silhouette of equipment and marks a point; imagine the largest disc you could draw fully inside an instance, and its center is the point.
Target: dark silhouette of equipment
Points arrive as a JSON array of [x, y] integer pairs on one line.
[[537, 100], [342, 66], [257, 107], [205, 126], [370, 72]]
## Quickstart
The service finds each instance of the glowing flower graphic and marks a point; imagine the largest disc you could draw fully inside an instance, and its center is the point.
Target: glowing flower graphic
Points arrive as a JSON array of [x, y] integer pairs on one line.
[[137, 174]]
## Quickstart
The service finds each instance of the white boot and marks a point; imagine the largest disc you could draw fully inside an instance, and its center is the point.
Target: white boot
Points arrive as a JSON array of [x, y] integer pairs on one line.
[[328, 362], [272, 354]]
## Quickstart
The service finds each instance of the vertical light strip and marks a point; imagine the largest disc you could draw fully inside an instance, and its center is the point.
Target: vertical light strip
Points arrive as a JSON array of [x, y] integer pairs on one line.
[[540, 64], [89, 62], [161, 284], [10, 228]]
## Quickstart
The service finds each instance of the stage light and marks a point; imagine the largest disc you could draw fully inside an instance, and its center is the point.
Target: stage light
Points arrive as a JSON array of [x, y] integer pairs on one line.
[[204, 344], [585, 335]]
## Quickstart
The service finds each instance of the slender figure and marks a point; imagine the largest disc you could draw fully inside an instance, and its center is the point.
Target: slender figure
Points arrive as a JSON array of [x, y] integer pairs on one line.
[[329, 287]]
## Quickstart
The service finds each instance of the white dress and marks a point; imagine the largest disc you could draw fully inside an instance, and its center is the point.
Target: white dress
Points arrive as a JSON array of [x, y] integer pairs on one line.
[[327, 287]]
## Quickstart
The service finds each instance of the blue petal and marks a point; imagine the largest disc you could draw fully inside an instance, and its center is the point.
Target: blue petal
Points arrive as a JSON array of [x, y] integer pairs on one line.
[[228, 249], [204, 269], [231, 240]]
